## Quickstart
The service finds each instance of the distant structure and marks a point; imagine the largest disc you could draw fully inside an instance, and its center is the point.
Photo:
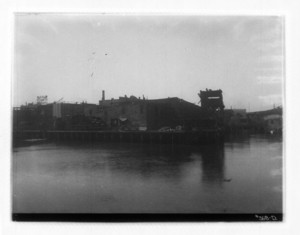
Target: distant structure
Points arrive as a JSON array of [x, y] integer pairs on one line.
[[42, 100], [211, 100], [235, 120], [266, 121], [273, 123]]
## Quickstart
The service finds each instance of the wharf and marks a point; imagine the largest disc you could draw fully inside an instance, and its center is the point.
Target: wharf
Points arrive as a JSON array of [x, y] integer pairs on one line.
[[191, 137]]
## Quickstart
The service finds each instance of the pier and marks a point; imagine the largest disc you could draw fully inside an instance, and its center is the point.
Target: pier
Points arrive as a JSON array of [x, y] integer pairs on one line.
[[192, 137]]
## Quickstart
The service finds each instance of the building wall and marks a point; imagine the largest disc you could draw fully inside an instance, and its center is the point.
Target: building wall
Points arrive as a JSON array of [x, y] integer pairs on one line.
[[33, 117], [131, 114], [152, 114], [57, 110], [82, 116], [71, 109], [258, 120], [173, 112], [160, 115], [273, 122]]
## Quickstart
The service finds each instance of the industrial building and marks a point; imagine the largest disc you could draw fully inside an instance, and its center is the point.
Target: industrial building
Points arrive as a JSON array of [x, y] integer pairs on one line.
[[55, 116], [124, 113], [266, 121], [132, 113]]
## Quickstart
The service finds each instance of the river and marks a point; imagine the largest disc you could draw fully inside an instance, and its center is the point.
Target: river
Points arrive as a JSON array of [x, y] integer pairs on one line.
[[242, 176]]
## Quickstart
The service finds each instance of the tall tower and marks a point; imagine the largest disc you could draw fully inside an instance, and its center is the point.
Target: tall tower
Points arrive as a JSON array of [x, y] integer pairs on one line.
[[211, 99]]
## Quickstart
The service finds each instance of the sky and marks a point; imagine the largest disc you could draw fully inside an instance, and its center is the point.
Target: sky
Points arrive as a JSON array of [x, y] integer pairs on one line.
[[76, 56]]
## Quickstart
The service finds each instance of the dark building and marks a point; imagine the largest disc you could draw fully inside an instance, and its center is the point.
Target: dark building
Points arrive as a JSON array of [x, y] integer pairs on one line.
[[213, 107], [173, 112], [131, 113], [124, 113], [211, 99], [82, 116], [33, 117], [57, 116]]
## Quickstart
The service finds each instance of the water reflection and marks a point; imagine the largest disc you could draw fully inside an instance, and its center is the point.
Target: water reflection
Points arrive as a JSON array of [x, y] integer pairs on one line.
[[213, 164], [105, 178], [153, 161], [159, 161]]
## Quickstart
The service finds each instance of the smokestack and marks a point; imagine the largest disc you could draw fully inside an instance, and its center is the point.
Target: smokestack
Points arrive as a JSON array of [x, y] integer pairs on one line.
[[103, 95]]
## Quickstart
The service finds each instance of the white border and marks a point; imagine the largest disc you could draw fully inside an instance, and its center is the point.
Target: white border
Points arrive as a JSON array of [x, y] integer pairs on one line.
[[290, 9]]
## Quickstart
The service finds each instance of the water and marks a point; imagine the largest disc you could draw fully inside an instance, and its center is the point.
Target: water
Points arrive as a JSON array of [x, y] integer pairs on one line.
[[243, 176]]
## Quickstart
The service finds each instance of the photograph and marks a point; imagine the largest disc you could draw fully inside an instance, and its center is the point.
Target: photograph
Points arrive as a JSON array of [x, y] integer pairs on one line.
[[147, 117]]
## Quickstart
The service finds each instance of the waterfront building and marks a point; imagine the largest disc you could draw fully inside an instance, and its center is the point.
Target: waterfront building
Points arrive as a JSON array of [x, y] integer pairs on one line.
[[273, 123], [131, 113], [124, 113], [265, 121]]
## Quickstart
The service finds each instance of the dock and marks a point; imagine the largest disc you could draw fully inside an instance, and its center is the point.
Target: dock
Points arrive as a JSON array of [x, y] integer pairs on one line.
[[191, 137]]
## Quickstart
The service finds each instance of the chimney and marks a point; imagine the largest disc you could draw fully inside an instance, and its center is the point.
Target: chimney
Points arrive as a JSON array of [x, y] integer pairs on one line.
[[103, 95]]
